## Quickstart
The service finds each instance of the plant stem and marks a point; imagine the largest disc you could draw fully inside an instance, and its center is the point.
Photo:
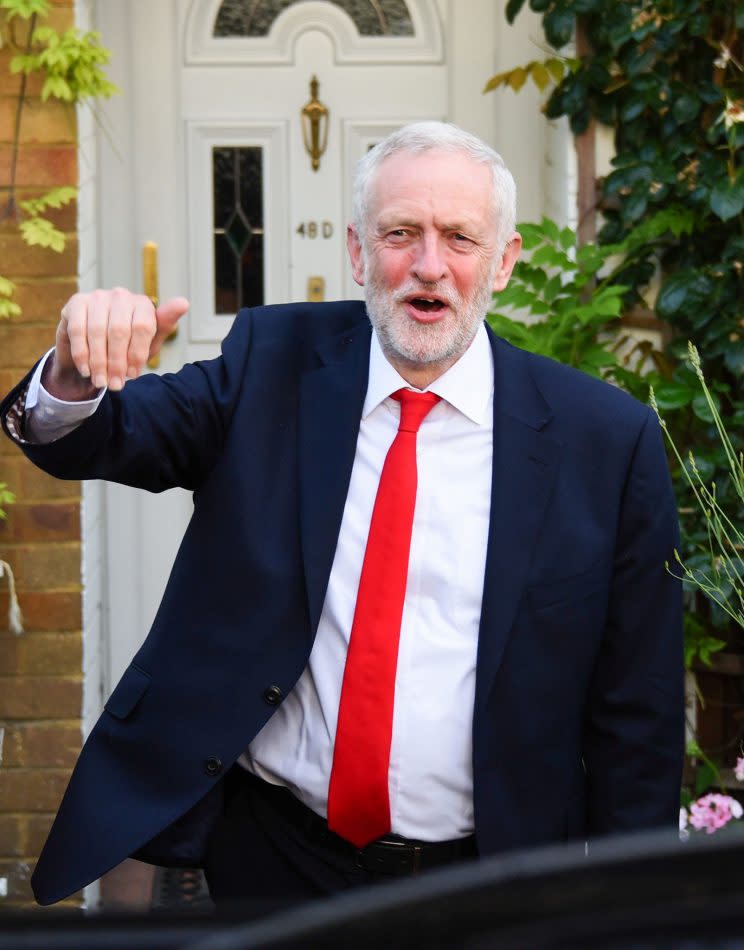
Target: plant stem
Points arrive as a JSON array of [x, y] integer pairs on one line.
[[11, 209]]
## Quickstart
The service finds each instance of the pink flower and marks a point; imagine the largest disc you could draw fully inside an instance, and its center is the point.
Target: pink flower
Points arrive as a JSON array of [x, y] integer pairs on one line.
[[739, 769], [712, 812]]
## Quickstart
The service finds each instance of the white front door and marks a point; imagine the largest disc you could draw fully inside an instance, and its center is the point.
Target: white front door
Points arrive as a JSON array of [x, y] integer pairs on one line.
[[205, 153]]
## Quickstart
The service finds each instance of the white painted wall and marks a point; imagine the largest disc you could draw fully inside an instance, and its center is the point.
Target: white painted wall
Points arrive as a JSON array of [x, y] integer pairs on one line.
[[92, 519]]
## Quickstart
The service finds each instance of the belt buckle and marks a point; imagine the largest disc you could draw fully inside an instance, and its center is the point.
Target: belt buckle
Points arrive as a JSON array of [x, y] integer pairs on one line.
[[365, 856]]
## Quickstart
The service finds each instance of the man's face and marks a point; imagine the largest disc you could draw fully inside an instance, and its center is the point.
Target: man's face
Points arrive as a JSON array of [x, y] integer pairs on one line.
[[430, 261]]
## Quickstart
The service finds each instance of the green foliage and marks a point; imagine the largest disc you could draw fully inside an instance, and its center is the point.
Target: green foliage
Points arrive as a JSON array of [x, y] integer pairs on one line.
[[555, 288], [8, 308], [6, 498], [24, 9], [719, 574], [565, 300], [72, 63], [668, 77], [37, 230], [543, 73]]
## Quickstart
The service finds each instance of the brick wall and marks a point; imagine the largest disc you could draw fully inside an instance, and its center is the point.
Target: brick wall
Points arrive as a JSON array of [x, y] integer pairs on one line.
[[40, 671]]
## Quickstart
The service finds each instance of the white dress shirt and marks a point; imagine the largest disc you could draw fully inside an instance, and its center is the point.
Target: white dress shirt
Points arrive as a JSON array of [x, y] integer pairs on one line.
[[431, 777]]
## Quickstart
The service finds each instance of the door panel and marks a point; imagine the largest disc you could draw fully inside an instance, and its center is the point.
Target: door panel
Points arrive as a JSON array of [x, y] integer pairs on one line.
[[188, 96]]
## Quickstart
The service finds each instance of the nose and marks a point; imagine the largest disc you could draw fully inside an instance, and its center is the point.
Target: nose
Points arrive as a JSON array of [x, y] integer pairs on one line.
[[429, 265]]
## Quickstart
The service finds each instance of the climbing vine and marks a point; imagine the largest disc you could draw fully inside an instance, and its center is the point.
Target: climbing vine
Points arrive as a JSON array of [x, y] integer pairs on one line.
[[71, 64], [667, 77]]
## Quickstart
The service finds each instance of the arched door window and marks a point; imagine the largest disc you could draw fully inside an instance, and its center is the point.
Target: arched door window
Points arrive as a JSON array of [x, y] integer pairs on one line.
[[255, 17]]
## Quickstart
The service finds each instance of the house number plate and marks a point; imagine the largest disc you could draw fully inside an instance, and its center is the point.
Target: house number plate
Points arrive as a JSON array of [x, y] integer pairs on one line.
[[314, 229]]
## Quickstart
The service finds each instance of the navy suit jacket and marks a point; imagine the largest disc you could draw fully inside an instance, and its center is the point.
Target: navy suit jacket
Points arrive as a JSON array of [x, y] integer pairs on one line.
[[578, 719]]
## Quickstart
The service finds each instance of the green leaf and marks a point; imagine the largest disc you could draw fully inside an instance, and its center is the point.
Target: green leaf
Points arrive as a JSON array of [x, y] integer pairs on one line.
[[727, 197], [682, 291], [685, 107], [8, 309], [24, 8], [532, 235], [632, 109], [42, 233], [673, 395], [705, 777], [512, 9], [540, 76], [701, 408], [634, 205], [558, 24], [551, 229], [557, 68], [567, 239], [551, 257], [6, 287], [56, 198]]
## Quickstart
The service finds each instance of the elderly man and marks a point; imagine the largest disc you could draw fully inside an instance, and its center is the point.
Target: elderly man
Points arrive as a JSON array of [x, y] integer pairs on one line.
[[420, 612]]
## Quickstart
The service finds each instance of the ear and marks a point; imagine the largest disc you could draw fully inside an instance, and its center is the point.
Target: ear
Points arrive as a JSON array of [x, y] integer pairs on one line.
[[356, 254], [509, 259]]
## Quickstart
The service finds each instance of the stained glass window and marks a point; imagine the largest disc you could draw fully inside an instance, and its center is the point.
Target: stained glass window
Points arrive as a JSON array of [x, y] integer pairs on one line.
[[237, 176], [371, 17]]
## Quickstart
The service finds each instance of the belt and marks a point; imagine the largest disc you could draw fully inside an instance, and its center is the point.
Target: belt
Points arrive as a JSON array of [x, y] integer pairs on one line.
[[390, 855]]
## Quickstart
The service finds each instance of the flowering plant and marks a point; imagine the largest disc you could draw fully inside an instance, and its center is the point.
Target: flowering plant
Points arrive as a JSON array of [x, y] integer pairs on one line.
[[713, 811]]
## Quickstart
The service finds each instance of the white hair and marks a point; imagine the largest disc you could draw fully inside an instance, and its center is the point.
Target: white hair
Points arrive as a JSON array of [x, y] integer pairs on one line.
[[440, 136]]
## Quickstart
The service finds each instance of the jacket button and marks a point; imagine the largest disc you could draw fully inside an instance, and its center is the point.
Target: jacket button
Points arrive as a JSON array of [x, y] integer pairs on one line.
[[213, 766], [273, 695]]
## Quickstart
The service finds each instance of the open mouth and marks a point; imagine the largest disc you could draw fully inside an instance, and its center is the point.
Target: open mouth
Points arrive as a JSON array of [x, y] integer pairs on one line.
[[427, 304]]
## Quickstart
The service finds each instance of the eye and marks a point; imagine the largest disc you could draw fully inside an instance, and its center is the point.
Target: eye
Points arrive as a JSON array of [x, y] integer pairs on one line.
[[398, 235], [459, 238]]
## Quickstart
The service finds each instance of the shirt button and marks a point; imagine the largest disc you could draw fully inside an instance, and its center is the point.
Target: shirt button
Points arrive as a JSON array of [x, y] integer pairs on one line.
[[213, 766], [273, 695]]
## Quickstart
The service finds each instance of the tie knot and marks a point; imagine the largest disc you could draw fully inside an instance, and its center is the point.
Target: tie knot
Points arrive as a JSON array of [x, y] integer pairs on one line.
[[414, 407]]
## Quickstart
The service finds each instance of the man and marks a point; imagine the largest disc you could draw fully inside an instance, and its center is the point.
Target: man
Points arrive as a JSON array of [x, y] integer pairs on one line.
[[454, 639]]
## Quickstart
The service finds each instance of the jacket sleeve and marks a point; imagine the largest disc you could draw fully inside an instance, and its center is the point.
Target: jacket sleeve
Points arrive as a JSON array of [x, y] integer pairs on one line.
[[159, 432], [634, 723]]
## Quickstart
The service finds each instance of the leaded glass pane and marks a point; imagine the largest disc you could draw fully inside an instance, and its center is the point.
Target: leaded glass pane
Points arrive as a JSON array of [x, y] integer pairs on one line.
[[371, 17], [237, 188]]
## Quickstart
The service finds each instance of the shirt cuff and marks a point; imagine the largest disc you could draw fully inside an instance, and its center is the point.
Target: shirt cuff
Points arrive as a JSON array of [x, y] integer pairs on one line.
[[49, 418]]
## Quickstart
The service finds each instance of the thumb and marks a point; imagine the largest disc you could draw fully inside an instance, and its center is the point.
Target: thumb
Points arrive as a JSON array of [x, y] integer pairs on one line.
[[167, 316]]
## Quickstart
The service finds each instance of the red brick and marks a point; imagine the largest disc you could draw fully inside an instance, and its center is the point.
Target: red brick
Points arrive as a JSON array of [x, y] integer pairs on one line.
[[34, 521], [45, 611], [37, 829], [46, 697], [41, 654], [21, 346], [45, 566], [37, 485], [41, 166], [32, 790], [37, 745], [12, 836], [41, 122], [41, 300], [20, 260]]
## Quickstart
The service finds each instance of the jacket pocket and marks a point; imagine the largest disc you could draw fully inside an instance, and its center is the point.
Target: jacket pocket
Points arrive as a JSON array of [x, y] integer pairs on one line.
[[129, 691]]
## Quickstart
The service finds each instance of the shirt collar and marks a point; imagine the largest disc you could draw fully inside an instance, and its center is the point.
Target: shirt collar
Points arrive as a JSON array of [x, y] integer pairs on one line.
[[467, 385]]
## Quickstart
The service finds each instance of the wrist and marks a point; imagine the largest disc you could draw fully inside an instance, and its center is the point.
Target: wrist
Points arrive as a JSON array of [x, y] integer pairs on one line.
[[66, 384]]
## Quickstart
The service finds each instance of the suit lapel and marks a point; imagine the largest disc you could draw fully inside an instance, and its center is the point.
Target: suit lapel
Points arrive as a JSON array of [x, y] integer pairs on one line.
[[331, 401], [525, 462]]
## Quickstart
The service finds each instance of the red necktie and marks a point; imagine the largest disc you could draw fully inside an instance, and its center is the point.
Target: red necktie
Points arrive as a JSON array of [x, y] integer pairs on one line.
[[358, 802]]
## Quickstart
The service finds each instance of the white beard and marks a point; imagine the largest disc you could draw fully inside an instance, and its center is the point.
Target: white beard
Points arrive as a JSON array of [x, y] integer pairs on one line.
[[426, 343]]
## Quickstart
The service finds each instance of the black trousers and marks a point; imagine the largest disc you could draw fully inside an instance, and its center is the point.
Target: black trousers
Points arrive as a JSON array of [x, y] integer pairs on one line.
[[269, 852]]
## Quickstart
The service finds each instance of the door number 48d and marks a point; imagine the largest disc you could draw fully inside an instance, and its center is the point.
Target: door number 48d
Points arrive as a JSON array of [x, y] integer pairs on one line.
[[314, 229]]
